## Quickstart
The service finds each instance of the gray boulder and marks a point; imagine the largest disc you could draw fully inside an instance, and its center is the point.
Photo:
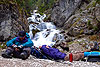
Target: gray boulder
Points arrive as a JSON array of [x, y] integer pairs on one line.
[[11, 21], [62, 10], [86, 22]]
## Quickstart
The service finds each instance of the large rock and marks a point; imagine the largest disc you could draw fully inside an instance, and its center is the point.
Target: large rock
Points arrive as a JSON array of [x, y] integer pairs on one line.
[[86, 22], [11, 21], [63, 9], [97, 12]]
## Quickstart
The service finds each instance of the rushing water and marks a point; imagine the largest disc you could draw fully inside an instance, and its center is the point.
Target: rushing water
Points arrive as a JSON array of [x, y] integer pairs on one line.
[[48, 34]]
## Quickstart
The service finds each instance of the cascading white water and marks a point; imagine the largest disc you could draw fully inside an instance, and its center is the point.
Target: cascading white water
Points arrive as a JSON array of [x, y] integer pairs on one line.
[[47, 30]]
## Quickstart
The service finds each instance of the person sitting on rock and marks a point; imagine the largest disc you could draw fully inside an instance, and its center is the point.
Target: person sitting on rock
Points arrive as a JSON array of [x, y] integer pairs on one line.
[[18, 47]]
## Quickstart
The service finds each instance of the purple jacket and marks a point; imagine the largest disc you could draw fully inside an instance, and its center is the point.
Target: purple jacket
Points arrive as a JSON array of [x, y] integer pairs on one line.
[[53, 52]]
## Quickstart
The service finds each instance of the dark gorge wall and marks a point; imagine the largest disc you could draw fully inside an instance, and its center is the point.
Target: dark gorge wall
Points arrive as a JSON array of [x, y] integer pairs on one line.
[[12, 20], [62, 10], [78, 17]]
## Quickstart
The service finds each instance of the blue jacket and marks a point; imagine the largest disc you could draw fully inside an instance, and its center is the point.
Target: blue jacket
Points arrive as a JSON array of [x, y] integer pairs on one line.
[[53, 52], [26, 42]]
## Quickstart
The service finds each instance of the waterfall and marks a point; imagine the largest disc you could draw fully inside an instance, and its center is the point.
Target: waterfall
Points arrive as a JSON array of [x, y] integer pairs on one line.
[[48, 33]]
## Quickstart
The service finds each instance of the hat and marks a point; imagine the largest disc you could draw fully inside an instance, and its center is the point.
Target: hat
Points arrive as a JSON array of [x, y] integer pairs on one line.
[[21, 33]]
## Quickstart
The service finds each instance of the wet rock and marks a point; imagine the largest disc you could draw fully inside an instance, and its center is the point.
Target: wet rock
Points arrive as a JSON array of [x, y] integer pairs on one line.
[[34, 31], [62, 31]]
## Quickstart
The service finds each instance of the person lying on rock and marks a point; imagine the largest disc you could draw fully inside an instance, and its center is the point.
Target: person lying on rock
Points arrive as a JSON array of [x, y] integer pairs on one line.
[[39, 53], [57, 55], [18, 47]]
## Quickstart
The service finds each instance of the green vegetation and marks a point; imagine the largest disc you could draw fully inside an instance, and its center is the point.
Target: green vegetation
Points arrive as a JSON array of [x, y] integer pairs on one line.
[[89, 22], [3, 45], [92, 4], [26, 5], [70, 42], [81, 31], [95, 28], [98, 1], [90, 26], [29, 5], [78, 19], [44, 5], [80, 10], [22, 5]]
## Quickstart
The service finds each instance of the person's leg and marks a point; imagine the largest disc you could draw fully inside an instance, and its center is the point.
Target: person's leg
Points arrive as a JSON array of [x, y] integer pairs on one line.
[[25, 53], [8, 53], [59, 55], [78, 56], [74, 57], [16, 54]]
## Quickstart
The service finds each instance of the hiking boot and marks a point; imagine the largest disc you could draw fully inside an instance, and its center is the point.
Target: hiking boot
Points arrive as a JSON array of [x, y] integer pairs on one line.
[[24, 55], [6, 54]]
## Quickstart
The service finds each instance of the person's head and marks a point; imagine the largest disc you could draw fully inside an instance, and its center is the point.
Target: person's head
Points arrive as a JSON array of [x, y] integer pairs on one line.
[[40, 47], [22, 35]]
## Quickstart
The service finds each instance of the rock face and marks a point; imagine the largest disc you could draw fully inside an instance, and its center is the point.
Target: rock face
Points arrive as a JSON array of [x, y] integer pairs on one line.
[[85, 22], [62, 10], [11, 21], [77, 16]]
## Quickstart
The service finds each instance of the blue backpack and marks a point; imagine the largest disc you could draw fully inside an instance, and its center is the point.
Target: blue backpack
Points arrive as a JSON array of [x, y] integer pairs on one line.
[[37, 53]]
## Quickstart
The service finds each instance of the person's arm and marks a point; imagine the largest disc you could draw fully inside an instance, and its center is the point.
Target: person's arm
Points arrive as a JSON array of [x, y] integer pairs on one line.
[[44, 49], [11, 42], [29, 43]]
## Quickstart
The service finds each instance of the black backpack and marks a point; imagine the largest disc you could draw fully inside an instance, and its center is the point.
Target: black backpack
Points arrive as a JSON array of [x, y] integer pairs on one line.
[[93, 59]]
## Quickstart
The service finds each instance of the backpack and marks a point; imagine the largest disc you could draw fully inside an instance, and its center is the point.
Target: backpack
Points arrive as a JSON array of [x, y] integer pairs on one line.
[[37, 53]]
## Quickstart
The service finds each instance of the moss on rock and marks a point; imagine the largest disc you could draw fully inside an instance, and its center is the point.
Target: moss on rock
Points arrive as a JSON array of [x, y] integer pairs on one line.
[[3, 45]]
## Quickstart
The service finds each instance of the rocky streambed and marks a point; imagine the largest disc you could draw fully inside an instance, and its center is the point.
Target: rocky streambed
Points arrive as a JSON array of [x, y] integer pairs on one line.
[[33, 62], [77, 45]]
